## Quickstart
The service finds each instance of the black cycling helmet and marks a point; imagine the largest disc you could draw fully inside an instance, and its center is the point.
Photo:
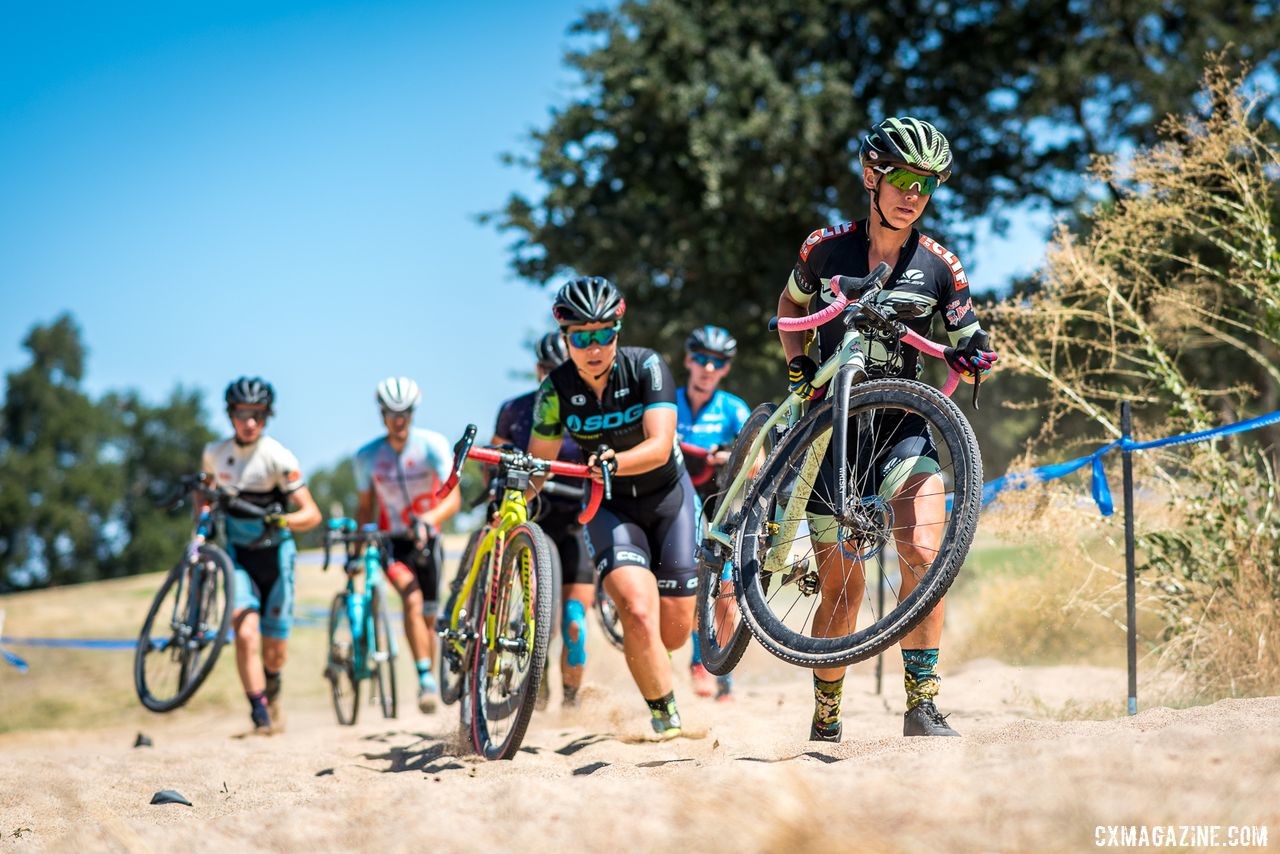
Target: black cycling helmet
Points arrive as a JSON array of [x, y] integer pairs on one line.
[[551, 351], [712, 339], [250, 391], [907, 141], [590, 299]]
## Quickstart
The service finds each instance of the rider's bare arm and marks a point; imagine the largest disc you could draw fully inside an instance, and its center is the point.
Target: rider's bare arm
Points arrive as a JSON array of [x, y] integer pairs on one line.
[[307, 516], [659, 436], [364, 507], [792, 342], [543, 449], [449, 505]]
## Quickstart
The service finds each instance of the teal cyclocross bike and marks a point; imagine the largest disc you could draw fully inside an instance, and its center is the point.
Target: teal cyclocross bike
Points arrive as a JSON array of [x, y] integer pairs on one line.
[[362, 646], [813, 492]]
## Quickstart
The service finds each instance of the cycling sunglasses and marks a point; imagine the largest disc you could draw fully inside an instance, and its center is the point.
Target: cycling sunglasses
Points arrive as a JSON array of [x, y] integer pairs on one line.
[[908, 181], [404, 413], [707, 360], [582, 339], [244, 413]]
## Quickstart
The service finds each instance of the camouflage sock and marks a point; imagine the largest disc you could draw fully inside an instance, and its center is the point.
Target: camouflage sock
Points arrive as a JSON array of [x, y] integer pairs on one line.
[[919, 675], [826, 702]]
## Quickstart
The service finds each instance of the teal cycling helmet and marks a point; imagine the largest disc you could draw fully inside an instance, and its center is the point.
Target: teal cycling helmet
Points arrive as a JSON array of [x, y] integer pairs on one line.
[[712, 339]]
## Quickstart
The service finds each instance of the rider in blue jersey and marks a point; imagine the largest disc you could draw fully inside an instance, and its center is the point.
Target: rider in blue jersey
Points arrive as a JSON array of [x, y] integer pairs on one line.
[[710, 418]]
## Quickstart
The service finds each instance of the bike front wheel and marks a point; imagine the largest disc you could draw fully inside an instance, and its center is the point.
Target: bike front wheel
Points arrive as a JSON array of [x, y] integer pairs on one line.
[[511, 654], [455, 663], [184, 630], [340, 668], [722, 633], [914, 489], [383, 659]]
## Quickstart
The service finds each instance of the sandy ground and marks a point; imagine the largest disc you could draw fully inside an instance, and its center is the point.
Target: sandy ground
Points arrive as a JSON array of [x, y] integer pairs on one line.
[[745, 779], [589, 779]]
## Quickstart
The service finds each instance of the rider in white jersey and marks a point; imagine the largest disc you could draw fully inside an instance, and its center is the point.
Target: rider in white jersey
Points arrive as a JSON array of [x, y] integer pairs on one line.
[[402, 470], [262, 472]]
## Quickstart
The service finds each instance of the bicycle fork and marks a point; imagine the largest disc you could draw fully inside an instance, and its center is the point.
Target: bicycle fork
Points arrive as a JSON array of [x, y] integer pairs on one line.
[[784, 532]]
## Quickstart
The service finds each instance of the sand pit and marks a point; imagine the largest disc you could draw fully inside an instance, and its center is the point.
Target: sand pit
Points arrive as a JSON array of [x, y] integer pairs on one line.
[[589, 778]]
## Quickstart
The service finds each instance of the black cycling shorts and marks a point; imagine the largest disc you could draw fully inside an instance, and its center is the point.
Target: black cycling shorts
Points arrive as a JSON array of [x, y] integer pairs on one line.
[[633, 531], [425, 566], [560, 523], [881, 459]]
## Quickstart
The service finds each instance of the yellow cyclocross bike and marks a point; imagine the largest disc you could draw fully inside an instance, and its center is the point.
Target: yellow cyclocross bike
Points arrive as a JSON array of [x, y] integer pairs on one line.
[[496, 622]]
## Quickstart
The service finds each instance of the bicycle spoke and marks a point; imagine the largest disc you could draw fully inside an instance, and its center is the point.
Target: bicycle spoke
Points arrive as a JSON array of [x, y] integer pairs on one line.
[[810, 556]]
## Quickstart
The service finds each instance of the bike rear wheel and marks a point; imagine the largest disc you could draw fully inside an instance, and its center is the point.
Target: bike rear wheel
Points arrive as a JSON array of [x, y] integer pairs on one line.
[[340, 669], [184, 630], [455, 665], [916, 513], [507, 671], [722, 634], [383, 660]]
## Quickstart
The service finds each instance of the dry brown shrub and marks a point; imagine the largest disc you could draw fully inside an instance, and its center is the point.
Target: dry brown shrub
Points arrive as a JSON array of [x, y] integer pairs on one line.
[[1170, 300]]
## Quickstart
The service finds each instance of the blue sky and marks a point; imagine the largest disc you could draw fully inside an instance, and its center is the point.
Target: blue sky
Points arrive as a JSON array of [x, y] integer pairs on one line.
[[286, 189]]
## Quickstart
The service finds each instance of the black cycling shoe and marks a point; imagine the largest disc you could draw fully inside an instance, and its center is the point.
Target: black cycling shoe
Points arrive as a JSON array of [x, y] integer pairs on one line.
[[831, 734], [925, 719]]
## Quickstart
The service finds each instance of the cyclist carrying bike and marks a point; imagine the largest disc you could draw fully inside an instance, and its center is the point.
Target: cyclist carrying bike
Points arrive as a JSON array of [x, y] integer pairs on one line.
[[263, 472], [619, 405], [558, 517], [903, 160], [400, 473], [709, 418]]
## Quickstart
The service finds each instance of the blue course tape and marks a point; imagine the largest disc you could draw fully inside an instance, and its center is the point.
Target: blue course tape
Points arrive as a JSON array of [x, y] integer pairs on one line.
[[72, 643], [14, 660], [1099, 486]]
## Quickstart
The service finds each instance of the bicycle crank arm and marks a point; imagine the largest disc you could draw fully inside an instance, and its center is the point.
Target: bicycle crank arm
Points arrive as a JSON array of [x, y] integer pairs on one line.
[[516, 645]]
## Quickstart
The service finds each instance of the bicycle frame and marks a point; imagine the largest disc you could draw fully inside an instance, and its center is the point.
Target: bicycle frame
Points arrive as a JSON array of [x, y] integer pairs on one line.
[[206, 527], [359, 602], [510, 512], [843, 366]]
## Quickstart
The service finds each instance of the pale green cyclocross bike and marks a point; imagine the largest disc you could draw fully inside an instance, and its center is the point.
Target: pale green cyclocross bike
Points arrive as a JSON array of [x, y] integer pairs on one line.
[[784, 556]]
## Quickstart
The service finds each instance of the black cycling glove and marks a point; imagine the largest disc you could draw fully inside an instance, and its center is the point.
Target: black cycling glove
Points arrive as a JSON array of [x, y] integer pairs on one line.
[[972, 357], [800, 373]]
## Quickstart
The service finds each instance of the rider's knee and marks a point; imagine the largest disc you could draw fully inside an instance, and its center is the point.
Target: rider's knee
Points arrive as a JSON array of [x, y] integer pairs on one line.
[[246, 626], [412, 597], [573, 630]]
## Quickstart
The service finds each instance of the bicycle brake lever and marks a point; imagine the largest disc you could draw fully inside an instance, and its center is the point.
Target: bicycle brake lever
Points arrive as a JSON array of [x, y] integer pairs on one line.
[[977, 381]]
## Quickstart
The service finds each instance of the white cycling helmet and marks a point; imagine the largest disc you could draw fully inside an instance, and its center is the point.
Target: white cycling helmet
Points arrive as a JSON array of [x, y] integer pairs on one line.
[[398, 394]]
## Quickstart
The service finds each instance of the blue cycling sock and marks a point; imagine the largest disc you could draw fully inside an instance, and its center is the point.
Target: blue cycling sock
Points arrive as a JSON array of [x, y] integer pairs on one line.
[[697, 651], [424, 669], [575, 618], [258, 708]]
